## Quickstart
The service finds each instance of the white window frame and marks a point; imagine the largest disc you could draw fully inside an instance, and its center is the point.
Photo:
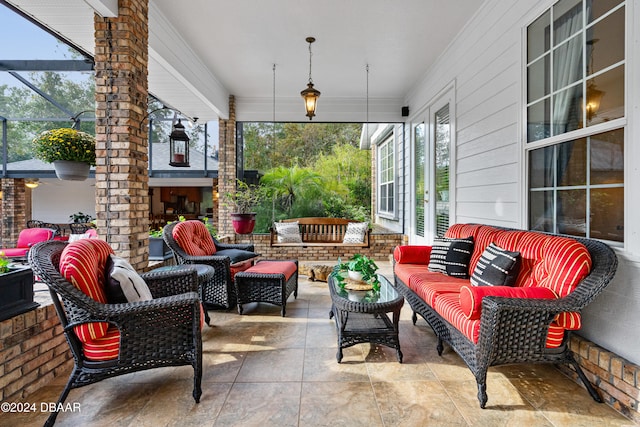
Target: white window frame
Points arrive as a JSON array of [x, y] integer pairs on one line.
[[585, 132], [387, 144]]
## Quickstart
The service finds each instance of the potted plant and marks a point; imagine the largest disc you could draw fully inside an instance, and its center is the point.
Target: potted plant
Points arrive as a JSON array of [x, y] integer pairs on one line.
[[359, 268], [16, 289], [243, 201], [72, 152]]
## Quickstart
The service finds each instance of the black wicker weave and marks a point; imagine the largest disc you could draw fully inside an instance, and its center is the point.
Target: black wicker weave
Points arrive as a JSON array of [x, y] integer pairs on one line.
[[366, 320], [219, 291], [162, 332], [261, 287], [514, 330]]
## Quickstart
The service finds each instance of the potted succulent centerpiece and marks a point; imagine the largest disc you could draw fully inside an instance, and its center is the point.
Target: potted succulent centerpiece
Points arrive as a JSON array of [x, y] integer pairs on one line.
[[16, 289], [72, 152], [243, 201]]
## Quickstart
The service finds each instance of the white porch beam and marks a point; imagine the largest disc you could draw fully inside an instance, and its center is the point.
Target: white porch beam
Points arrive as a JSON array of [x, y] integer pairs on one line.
[[104, 8]]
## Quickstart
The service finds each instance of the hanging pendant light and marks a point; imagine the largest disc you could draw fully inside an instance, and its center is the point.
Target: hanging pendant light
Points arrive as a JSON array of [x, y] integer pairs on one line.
[[178, 146], [310, 95]]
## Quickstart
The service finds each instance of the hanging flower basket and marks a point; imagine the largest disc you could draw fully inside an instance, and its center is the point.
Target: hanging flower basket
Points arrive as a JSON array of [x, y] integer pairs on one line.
[[72, 152], [71, 171]]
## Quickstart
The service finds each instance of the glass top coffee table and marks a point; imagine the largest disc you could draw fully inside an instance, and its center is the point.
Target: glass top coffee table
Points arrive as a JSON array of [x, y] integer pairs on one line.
[[361, 316]]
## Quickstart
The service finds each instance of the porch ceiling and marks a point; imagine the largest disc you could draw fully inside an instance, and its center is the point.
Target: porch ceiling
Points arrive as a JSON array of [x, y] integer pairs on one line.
[[200, 51]]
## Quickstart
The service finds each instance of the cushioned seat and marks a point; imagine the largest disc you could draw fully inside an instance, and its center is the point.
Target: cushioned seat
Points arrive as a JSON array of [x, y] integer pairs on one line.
[[268, 281], [26, 239], [110, 338]]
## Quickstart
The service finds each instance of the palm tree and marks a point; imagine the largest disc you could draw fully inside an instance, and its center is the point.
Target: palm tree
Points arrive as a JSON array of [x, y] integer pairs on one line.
[[286, 185]]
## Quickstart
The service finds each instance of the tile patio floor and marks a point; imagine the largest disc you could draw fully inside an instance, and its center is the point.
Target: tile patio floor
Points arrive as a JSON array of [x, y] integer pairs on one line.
[[264, 370]]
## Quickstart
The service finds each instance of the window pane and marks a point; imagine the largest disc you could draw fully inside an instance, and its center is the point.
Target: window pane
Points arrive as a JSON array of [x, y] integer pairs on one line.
[[538, 119], [567, 110], [541, 167], [567, 19], [605, 96], [383, 198], [572, 212], [538, 79], [538, 37], [599, 8], [605, 43], [572, 163], [419, 150], [607, 157], [607, 214], [541, 211], [567, 63]]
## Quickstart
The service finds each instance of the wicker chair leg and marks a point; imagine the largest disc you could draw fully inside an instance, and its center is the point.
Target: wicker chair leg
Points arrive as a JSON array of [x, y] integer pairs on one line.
[[482, 391], [63, 396], [197, 370], [440, 346], [592, 391], [414, 318]]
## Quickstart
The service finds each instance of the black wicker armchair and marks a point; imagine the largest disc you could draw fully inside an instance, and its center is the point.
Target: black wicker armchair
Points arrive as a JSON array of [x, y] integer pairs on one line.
[[219, 292], [161, 332]]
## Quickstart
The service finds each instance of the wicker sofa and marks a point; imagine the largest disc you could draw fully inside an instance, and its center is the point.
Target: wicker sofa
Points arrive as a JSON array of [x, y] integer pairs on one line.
[[517, 324]]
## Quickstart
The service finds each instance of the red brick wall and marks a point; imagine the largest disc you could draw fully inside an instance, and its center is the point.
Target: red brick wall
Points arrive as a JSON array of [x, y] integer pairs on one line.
[[33, 350]]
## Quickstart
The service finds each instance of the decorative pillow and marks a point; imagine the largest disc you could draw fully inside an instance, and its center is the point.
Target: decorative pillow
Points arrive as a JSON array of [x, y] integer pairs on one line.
[[355, 232], [123, 283], [288, 232], [407, 254], [82, 263], [451, 256], [194, 238], [76, 237], [471, 296], [496, 267]]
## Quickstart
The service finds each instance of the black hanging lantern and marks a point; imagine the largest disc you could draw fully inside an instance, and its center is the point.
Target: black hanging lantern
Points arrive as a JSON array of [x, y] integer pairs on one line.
[[178, 147]]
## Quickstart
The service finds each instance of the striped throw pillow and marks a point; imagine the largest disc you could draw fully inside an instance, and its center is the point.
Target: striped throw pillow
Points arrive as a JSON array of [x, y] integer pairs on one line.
[[451, 256], [496, 267]]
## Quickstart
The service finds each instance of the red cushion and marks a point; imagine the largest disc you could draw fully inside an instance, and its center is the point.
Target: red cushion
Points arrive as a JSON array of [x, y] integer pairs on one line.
[[428, 285], [236, 268], [194, 238], [15, 252], [103, 348], [412, 254], [82, 263], [30, 236], [471, 296], [288, 268]]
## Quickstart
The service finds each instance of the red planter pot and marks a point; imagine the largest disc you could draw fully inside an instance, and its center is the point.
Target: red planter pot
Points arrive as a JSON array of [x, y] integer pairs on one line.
[[243, 223]]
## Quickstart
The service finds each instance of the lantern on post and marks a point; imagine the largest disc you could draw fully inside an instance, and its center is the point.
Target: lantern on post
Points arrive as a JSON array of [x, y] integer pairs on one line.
[[178, 146]]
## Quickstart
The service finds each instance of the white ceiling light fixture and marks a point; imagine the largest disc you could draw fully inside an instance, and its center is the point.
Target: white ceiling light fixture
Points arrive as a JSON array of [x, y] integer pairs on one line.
[[32, 183]]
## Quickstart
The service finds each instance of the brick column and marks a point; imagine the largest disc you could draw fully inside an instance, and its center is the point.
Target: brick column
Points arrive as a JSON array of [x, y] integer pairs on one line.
[[227, 168], [13, 210], [122, 198]]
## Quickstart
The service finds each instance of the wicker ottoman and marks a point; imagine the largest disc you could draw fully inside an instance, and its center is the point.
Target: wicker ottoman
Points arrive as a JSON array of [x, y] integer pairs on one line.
[[267, 281]]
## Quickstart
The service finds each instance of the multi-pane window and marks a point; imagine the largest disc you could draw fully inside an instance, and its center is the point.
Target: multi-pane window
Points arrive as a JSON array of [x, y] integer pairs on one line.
[[575, 81], [386, 185]]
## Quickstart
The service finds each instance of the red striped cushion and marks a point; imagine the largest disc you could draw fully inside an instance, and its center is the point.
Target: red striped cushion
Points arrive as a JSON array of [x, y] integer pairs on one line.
[[569, 320], [288, 268], [194, 238], [471, 296], [428, 285], [555, 336], [405, 272], [82, 263], [104, 348]]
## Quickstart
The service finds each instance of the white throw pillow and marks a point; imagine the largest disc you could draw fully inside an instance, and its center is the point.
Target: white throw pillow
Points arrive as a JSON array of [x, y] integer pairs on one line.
[[288, 232], [76, 237], [132, 285], [355, 232]]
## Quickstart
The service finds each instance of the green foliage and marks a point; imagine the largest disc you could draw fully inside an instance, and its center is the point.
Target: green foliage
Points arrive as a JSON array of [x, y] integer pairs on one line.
[[81, 218], [65, 144], [245, 198], [361, 264], [4, 263]]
